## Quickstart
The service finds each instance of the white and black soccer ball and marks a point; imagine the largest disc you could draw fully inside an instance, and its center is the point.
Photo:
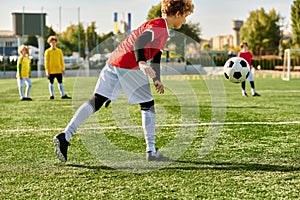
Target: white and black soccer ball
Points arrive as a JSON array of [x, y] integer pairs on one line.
[[236, 69]]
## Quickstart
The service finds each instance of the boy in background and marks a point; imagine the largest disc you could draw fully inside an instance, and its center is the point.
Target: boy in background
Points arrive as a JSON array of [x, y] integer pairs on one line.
[[247, 55], [55, 67], [24, 73]]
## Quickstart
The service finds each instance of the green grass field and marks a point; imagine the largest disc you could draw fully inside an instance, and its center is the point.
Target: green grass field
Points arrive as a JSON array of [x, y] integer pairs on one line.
[[255, 156]]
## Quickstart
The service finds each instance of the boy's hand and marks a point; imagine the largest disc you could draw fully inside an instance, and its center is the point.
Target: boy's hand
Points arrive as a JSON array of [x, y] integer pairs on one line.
[[159, 87], [147, 70]]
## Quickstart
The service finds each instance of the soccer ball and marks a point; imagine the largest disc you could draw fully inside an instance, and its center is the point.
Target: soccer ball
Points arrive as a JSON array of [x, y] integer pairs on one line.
[[236, 69]]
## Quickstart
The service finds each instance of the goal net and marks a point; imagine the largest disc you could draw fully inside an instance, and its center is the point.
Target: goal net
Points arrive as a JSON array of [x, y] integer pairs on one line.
[[291, 63]]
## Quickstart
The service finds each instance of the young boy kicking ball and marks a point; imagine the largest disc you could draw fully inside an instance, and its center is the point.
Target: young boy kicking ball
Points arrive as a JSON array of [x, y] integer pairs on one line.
[[127, 70]]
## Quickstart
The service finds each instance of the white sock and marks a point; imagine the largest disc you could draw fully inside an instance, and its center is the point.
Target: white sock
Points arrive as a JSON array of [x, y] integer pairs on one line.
[[51, 89], [20, 87], [253, 91], [243, 92], [21, 91], [61, 89], [28, 86], [148, 123], [82, 113]]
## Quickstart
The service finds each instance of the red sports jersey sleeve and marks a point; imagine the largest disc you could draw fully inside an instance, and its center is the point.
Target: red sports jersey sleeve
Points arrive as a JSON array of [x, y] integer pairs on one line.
[[123, 56]]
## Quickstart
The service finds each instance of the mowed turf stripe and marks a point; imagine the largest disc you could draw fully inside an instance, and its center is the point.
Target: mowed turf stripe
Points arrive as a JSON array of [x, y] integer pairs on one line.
[[158, 125]]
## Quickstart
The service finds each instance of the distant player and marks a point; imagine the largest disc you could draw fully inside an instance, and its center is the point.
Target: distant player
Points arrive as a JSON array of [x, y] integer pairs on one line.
[[24, 73], [55, 67], [247, 55], [127, 70]]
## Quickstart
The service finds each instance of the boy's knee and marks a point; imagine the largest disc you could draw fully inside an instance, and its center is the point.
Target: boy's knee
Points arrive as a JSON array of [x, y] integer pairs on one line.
[[97, 101], [148, 106]]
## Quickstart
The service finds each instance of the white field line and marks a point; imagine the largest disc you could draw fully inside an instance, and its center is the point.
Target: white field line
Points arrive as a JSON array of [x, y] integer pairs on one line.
[[159, 125], [37, 98]]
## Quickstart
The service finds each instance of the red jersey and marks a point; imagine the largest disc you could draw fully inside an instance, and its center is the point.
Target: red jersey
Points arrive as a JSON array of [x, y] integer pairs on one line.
[[123, 56], [247, 55]]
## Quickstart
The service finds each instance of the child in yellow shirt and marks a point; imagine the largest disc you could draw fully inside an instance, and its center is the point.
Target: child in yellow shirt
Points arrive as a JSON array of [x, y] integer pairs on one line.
[[55, 67], [24, 73]]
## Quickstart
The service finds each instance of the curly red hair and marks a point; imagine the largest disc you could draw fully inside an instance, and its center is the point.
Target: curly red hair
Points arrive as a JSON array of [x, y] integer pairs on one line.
[[172, 7]]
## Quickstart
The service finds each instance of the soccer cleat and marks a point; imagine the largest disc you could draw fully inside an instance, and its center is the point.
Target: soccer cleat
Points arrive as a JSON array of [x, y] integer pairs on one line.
[[256, 95], [26, 99], [66, 97], [245, 95], [151, 156], [61, 147], [51, 97]]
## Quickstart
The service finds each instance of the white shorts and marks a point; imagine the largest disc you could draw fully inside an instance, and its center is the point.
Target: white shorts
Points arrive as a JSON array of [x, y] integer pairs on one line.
[[113, 80], [250, 76]]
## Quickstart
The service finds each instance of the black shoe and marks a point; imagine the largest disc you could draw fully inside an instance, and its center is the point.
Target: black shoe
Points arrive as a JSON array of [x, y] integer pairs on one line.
[[61, 147], [150, 156], [65, 97], [245, 95], [26, 99], [256, 95], [51, 97]]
